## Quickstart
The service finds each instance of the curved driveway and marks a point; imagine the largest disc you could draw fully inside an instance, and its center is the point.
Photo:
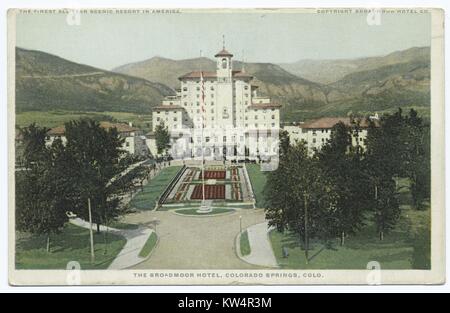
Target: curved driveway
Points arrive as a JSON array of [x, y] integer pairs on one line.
[[196, 242]]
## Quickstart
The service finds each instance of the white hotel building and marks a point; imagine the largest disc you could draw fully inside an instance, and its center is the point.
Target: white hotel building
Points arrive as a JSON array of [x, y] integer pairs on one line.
[[237, 123], [316, 133]]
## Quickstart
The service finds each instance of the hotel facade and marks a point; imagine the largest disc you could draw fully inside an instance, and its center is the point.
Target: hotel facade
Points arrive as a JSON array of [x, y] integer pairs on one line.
[[218, 115]]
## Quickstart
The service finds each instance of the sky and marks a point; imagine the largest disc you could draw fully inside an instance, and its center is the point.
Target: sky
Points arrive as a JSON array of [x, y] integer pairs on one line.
[[110, 40]]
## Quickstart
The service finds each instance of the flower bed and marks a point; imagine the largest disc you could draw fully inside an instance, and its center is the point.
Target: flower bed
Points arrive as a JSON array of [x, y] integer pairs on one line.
[[214, 175], [211, 192]]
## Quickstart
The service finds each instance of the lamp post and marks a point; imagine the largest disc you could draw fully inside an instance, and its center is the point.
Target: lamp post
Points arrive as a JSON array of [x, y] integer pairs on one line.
[[240, 224], [154, 223]]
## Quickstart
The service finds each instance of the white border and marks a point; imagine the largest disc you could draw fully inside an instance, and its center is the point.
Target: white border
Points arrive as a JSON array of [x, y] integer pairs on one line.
[[5, 4]]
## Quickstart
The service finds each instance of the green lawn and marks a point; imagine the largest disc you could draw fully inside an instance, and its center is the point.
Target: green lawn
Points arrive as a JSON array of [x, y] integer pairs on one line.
[[121, 225], [258, 180], [149, 245], [403, 248], [194, 211], [70, 245], [146, 199], [244, 244]]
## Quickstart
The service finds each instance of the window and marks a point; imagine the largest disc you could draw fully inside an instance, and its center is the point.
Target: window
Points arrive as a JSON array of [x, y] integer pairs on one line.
[[198, 88], [212, 87], [212, 110], [185, 104], [212, 95], [127, 144], [246, 87], [184, 88], [314, 140], [273, 117], [256, 117], [198, 103], [256, 125], [224, 63], [224, 138], [175, 119], [273, 124], [157, 119], [198, 111], [212, 102]]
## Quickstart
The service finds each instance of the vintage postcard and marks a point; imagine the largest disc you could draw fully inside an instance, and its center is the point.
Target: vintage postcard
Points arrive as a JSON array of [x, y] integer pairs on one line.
[[218, 147]]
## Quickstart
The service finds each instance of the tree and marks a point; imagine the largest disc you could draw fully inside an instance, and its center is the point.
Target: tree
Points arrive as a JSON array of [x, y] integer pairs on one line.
[[100, 170], [297, 196], [387, 209], [95, 159], [344, 170], [285, 143], [162, 137], [385, 157], [386, 145], [42, 187], [417, 157]]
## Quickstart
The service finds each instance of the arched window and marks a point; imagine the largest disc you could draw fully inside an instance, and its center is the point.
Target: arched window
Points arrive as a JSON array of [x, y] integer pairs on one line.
[[224, 63]]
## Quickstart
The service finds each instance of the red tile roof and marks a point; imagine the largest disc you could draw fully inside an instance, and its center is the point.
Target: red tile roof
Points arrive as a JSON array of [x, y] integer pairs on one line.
[[241, 74], [223, 53], [57, 131], [121, 128], [329, 122], [264, 106], [196, 75]]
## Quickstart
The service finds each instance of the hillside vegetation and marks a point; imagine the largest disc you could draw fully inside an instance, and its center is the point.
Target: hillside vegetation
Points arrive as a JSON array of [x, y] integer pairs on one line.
[[45, 82]]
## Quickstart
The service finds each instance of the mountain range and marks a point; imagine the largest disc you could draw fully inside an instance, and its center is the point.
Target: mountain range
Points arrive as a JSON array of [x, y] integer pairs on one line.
[[306, 89], [46, 82], [330, 71]]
